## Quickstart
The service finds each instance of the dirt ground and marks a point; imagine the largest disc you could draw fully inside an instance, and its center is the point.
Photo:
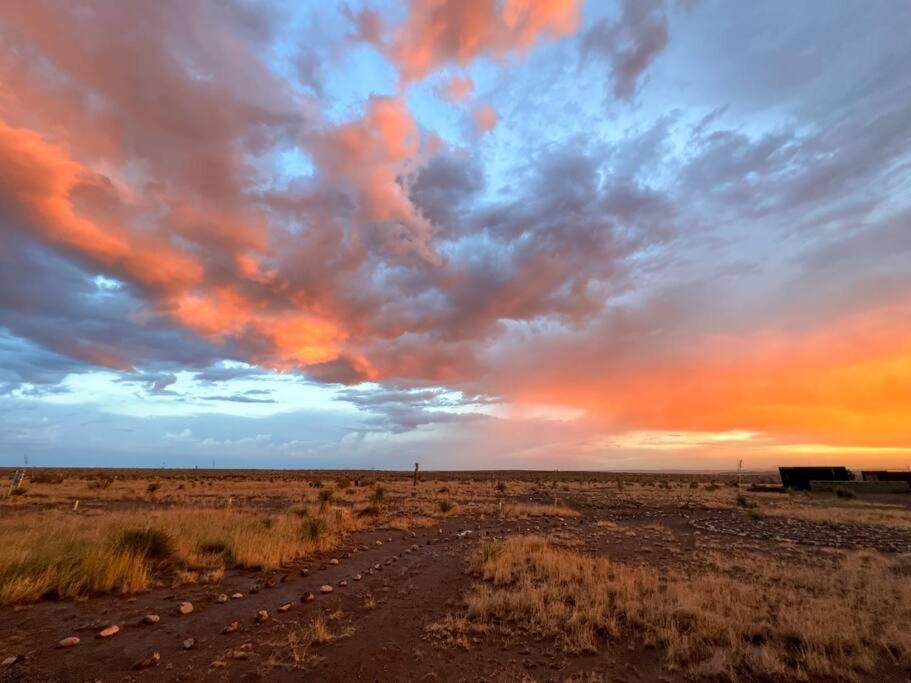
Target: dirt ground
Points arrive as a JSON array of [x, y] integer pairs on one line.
[[388, 585]]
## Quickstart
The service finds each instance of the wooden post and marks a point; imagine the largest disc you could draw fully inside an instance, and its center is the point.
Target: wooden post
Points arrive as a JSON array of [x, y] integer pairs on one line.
[[416, 467]]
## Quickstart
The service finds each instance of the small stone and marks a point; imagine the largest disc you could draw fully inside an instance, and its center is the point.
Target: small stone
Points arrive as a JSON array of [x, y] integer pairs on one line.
[[71, 641], [148, 661], [285, 607], [305, 571], [358, 577], [325, 589], [389, 540], [333, 561], [261, 617], [231, 628], [222, 598], [254, 589], [151, 619], [189, 643], [307, 597], [9, 661], [185, 607], [112, 630], [237, 596], [342, 583], [379, 542]]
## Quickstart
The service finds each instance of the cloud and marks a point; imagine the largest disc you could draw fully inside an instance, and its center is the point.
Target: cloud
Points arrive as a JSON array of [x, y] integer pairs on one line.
[[457, 89], [630, 43], [729, 254], [240, 398], [485, 118], [442, 32]]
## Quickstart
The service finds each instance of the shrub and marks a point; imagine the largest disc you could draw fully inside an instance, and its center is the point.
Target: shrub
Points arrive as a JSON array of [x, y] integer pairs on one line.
[[313, 528], [150, 543], [501, 487], [378, 496], [153, 487], [445, 506], [842, 492]]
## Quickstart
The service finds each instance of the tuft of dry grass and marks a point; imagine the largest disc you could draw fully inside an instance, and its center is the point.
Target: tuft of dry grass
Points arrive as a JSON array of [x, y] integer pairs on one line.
[[529, 510], [761, 616], [67, 555]]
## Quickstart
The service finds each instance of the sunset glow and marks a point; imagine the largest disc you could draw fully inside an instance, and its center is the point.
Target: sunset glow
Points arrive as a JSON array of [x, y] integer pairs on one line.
[[638, 234]]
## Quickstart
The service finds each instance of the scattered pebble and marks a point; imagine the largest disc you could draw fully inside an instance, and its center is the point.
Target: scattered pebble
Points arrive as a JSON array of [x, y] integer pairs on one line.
[[151, 619], [112, 630], [326, 588], [9, 661], [358, 577], [185, 607], [285, 607], [189, 643], [222, 598], [237, 596], [261, 617], [307, 597], [148, 661], [71, 641], [379, 542], [342, 583], [231, 628], [333, 561], [243, 652]]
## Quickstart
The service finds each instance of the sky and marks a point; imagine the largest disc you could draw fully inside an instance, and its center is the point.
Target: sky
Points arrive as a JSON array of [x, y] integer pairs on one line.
[[496, 234]]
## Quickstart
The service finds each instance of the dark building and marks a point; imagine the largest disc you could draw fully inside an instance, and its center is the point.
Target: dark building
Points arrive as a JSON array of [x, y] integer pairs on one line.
[[800, 477], [887, 475]]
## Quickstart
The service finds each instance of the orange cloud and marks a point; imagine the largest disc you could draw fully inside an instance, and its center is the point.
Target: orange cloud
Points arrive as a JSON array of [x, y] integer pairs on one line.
[[372, 153], [437, 32], [457, 89], [44, 182], [485, 118]]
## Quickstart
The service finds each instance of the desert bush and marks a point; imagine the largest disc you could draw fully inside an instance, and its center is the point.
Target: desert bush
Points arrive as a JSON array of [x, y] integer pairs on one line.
[[842, 492], [153, 487], [501, 486], [314, 528], [149, 543], [444, 506]]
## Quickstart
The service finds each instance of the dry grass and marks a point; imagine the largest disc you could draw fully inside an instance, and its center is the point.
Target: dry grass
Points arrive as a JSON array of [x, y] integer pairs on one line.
[[831, 510], [71, 555], [760, 616], [529, 510]]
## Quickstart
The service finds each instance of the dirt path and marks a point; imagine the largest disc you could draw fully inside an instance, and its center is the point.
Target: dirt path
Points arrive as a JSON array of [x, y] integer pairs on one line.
[[409, 580]]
